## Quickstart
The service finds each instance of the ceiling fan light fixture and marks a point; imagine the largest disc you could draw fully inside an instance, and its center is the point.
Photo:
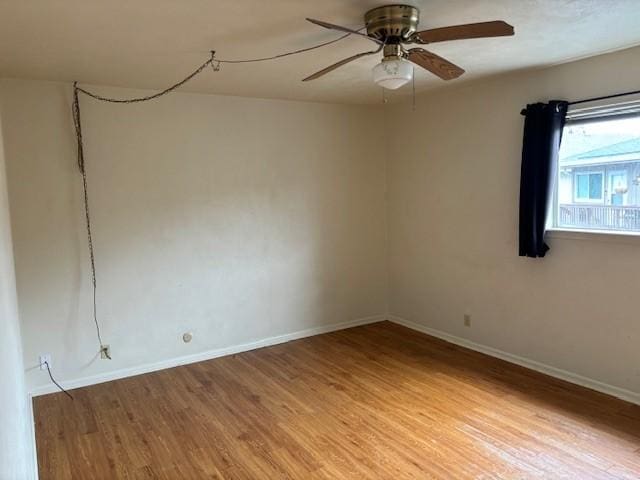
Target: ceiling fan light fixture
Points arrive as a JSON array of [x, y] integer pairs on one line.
[[391, 27], [393, 73]]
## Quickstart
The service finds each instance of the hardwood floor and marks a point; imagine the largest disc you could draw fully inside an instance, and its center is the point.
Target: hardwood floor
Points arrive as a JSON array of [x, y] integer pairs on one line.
[[373, 402]]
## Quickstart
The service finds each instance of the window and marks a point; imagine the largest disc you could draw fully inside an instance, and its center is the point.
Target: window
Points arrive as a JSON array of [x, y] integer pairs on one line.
[[598, 183], [588, 187]]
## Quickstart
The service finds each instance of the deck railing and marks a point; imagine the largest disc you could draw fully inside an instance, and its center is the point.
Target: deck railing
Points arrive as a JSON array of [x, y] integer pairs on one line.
[[599, 217]]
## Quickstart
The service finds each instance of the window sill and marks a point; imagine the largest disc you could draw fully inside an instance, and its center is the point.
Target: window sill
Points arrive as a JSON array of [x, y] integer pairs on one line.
[[595, 235]]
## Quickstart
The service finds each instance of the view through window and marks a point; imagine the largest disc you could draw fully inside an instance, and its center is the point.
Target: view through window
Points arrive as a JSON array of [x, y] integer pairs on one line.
[[598, 184]]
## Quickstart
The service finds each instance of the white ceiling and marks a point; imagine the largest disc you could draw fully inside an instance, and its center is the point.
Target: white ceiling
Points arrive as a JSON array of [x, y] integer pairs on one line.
[[154, 43]]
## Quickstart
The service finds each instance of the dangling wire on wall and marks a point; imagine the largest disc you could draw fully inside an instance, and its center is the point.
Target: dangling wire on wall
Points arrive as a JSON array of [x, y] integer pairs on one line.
[[215, 64], [83, 171]]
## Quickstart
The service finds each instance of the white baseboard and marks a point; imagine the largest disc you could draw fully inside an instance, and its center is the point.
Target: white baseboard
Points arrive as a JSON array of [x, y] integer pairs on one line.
[[596, 385], [201, 356]]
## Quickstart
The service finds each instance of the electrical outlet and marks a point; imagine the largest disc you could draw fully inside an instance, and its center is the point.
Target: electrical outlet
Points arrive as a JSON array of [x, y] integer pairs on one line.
[[45, 357], [105, 351], [467, 320]]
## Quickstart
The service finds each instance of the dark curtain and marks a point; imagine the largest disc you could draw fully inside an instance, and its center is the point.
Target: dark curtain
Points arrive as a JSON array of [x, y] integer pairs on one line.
[[542, 135]]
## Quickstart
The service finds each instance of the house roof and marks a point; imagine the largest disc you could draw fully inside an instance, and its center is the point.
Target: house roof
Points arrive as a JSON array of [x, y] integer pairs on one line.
[[621, 148]]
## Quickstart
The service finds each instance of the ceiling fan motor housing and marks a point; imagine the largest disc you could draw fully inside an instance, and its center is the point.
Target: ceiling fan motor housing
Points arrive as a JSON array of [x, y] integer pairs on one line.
[[392, 23], [393, 26]]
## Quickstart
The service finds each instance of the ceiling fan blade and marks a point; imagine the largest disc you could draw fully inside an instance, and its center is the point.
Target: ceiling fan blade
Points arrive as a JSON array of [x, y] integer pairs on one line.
[[330, 68], [497, 28], [435, 64], [331, 26]]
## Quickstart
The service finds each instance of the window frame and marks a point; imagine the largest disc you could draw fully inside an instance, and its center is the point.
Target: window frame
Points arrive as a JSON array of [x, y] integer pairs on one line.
[[596, 111], [589, 200]]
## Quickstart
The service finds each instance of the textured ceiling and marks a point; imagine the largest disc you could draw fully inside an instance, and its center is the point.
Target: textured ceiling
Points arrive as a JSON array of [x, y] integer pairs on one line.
[[154, 43]]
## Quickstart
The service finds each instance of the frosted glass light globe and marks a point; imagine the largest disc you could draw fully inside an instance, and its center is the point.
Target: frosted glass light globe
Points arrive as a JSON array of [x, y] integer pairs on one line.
[[393, 74]]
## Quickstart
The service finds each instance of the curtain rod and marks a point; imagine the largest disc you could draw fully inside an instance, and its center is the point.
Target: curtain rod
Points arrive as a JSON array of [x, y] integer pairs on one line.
[[604, 98]]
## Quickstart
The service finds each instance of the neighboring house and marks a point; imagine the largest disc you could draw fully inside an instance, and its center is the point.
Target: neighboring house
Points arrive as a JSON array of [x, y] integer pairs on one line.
[[600, 188]]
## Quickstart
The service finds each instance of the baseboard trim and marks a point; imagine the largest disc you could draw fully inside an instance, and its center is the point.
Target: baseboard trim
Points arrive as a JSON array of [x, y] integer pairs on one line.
[[202, 356], [596, 385]]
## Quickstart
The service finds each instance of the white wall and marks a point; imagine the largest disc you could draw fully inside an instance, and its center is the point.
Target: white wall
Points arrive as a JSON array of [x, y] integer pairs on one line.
[[235, 219], [15, 438], [454, 173], [240, 219]]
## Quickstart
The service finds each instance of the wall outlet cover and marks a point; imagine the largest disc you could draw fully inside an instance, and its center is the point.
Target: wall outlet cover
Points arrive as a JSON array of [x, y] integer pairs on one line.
[[45, 357], [105, 351]]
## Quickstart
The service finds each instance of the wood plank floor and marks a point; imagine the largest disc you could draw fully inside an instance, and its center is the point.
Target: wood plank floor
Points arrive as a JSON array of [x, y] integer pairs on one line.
[[373, 402]]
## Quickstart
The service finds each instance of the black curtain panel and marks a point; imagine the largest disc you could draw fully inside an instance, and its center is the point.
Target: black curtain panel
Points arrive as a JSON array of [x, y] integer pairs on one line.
[[542, 135]]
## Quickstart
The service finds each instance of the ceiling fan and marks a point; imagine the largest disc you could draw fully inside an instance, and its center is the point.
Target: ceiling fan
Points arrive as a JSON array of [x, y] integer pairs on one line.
[[393, 26]]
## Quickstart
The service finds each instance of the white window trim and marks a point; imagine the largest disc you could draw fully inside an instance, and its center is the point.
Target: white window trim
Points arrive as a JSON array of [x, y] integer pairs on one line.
[[609, 236], [605, 108]]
